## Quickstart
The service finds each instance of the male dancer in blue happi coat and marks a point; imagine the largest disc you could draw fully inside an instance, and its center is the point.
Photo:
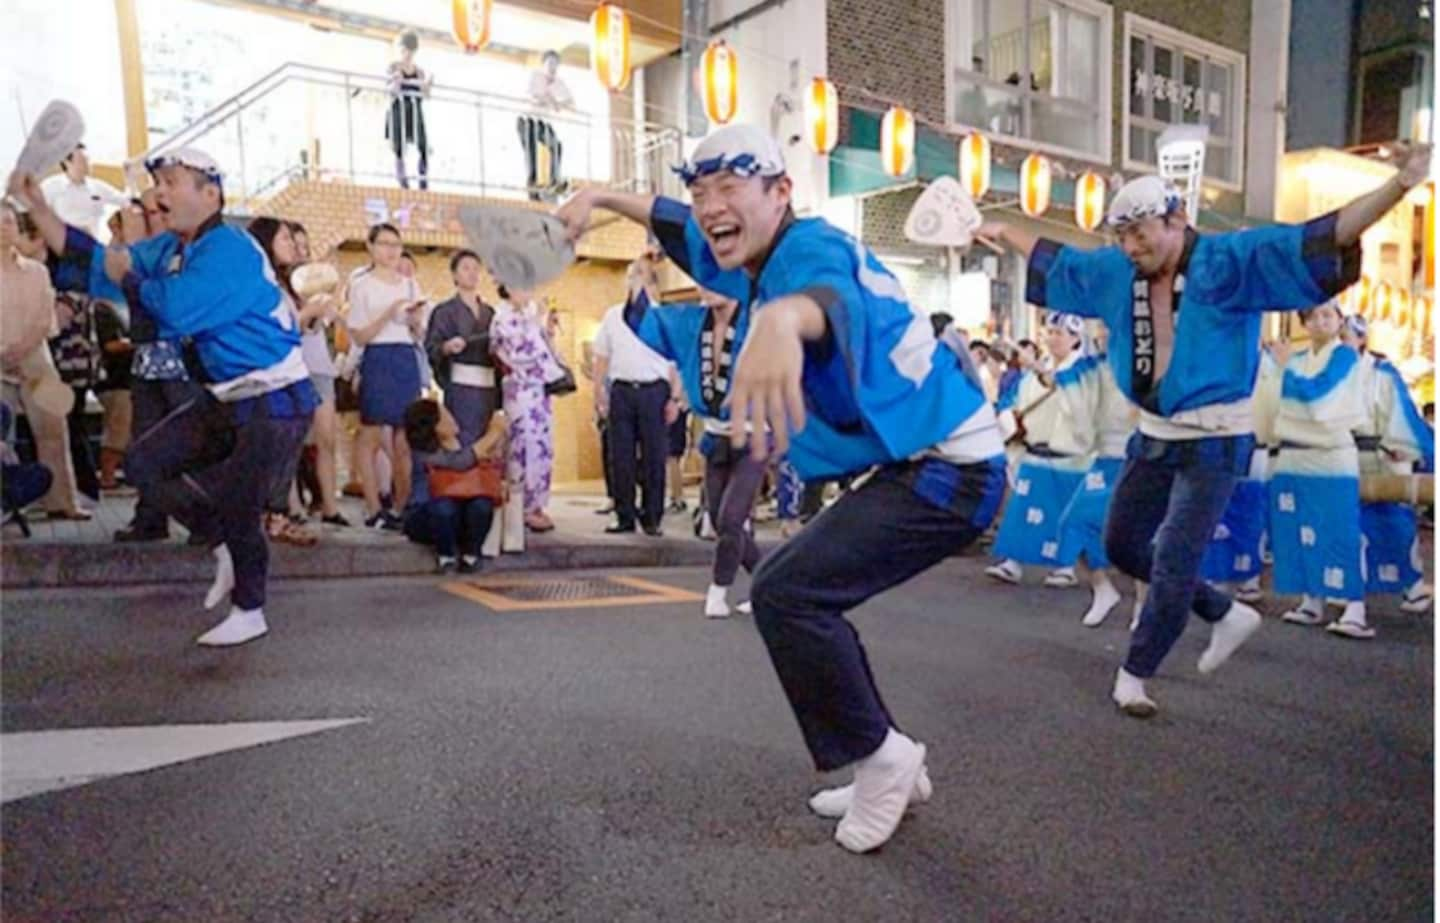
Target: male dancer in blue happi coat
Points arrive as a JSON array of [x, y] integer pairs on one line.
[[846, 376], [1192, 375]]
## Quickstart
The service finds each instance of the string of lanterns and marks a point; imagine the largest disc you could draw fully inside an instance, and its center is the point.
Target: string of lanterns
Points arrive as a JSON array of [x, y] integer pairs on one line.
[[1390, 304], [718, 80]]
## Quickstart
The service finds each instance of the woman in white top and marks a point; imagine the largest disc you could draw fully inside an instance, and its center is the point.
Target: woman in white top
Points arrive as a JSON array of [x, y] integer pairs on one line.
[[386, 314]]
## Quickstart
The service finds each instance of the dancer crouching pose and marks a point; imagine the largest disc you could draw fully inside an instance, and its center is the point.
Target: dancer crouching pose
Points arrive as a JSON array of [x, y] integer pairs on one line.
[[836, 356]]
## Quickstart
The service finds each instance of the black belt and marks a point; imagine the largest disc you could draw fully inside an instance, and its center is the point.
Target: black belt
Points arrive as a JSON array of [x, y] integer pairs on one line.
[[1041, 450], [640, 384], [1367, 443]]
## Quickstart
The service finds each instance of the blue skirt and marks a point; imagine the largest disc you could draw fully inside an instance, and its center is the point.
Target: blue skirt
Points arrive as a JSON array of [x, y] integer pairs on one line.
[[1233, 554], [389, 383], [1315, 534], [1082, 525], [1389, 531], [1030, 531]]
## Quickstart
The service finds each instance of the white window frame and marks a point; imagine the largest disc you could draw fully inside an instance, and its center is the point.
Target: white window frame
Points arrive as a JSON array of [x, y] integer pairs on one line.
[[1106, 104], [1180, 41]]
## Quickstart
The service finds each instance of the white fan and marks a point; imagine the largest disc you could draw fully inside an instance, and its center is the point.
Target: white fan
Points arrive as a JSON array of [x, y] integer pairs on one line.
[[53, 137], [1181, 152], [943, 216], [523, 249]]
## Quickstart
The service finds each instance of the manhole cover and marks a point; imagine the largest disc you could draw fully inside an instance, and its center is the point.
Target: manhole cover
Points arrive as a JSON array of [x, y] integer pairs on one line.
[[512, 593]]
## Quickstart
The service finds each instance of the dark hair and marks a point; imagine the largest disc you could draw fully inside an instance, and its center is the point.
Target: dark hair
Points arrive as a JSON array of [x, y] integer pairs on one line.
[[408, 39], [939, 321], [25, 221], [462, 255], [420, 420], [297, 228], [503, 292], [979, 344], [377, 229], [552, 53], [407, 255], [265, 229], [1024, 343], [1428, 408]]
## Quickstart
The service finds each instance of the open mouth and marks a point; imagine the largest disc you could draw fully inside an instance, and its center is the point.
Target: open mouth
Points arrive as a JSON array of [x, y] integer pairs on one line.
[[724, 235]]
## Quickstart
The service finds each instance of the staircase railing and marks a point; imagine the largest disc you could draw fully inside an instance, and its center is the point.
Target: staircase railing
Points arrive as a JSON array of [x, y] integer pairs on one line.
[[305, 121]]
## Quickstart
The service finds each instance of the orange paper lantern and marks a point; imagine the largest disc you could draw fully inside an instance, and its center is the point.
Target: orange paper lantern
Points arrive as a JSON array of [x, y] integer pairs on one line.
[[1427, 242], [471, 23], [718, 76], [975, 165], [822, 115], [1089, 201], [1401, 308], [1424, 305], [610, 46], [897, 141], [1035, 185]]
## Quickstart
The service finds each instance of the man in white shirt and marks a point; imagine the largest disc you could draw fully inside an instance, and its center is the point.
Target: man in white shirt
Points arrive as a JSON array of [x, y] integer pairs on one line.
[[548, 94], [638, 405], [79, 198]]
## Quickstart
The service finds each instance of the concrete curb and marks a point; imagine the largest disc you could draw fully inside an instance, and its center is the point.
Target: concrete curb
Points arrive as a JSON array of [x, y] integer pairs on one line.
[[49, 565]]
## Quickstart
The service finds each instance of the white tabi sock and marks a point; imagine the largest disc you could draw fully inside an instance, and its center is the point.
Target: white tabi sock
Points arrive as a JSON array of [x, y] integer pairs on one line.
[[884, 781], [224, 577], [834, 802], [1106, 597]]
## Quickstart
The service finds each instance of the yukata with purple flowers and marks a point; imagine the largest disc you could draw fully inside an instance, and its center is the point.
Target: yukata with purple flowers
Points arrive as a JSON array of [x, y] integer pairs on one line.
[[517, 337]]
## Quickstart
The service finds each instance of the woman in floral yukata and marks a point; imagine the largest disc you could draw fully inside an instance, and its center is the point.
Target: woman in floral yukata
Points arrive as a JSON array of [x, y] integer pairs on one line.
[[520, 338]]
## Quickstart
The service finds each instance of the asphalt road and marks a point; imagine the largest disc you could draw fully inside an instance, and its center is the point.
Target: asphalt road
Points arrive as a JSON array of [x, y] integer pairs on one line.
[[640, 763]]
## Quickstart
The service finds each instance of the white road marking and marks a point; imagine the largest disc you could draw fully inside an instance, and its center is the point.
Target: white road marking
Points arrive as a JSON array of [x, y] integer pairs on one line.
[[43, 761]]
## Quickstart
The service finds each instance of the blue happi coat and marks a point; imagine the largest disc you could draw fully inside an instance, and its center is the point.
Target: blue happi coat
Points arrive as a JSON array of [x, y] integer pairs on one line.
[[880, 388], [1229, 280]]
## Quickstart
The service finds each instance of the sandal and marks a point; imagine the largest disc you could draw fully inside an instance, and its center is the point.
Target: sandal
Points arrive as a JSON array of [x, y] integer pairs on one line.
[[75, 515], [298, 535]]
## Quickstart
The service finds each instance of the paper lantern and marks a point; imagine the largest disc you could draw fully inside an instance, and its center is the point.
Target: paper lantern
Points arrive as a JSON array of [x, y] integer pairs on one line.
[[822, 115], [718, 88], [1035, 185], [610, 46], [1400, 308], [897, 141], [1427, 241], [975, 165], [1358, 297], [471, 23], [1424, 305], [1089, 201]]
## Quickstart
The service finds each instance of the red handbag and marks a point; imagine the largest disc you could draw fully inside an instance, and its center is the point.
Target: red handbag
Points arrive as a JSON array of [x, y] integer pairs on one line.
[[487, 479]]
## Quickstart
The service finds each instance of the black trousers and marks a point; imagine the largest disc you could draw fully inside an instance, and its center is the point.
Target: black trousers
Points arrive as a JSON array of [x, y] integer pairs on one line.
[[637, 419], [169, 432]]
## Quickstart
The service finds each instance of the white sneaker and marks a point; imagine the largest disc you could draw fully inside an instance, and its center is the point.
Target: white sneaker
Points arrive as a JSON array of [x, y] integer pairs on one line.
[[1226, 636], [883, 783], [1061, 578], [1135, 614], [716, 605], [834, 802], [1302, 616], [1347, 628], [745, 608], [1006, 571], [240, 625], [1417, 599], [224, 577], [1129, 695]]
